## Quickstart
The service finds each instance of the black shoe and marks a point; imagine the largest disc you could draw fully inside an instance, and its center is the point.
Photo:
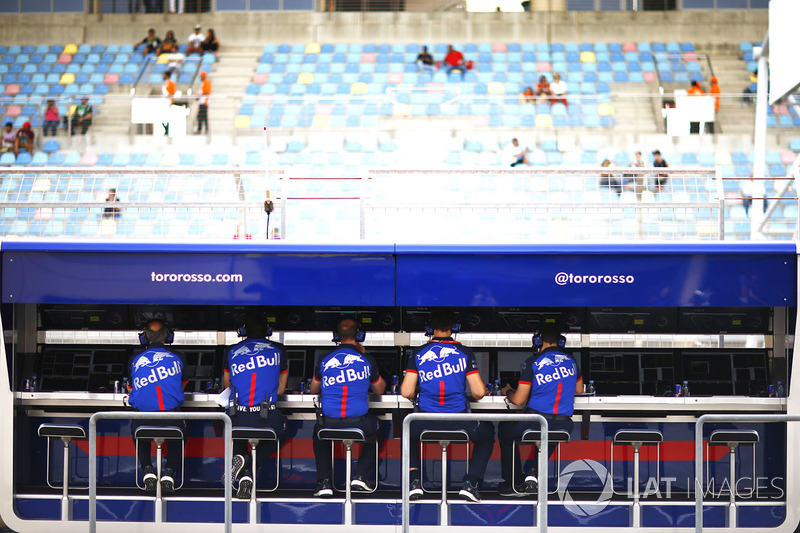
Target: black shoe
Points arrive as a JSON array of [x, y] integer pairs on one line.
[[324, 489], [150, 479], [415, 491], [245, 488], [470, 492], [168, 481], [531, 484], [359, 484], [505, 489]]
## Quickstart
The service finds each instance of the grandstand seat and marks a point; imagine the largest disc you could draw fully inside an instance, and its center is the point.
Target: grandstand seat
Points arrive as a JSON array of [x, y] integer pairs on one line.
[[50, 146], [7, 159]]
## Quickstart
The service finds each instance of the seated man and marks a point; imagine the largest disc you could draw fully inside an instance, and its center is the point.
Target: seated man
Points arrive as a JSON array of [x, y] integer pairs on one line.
[[82, 117], [425, 61], [9, 141], [454, 60], [256, 371], [552, 398], [441, 392], [516, 153], [345, 377], [24, 141], [195, 42], [157, 380], [151, 42], [558, 90]]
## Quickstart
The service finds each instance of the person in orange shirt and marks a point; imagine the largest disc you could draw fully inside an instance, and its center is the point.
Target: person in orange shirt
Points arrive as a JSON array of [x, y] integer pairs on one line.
[[168, 88], [715, 90], [696, 90], [202, 112]]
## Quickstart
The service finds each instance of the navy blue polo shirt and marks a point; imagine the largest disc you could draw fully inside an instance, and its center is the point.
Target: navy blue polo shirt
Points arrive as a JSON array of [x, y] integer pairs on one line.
[[553, 376], [157, 379], [255, 366], [442, 366], [345, 375]]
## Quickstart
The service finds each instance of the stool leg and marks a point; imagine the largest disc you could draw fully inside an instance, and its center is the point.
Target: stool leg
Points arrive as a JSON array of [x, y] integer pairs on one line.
[[254, 467], [444, 519], [65, 489], [637, 510], [732, 506], [348, 509], [159, 503]]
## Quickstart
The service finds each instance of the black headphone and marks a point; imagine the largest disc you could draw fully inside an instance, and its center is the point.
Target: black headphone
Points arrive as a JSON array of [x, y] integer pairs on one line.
[[538, 342], [143, 335], [242, 331], [360, 334], [455, 328]]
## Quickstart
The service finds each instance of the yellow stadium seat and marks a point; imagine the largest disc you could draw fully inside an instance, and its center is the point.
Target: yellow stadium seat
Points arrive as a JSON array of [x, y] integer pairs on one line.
[[70, 49], [544, 121], [242, 121], [723, 157], [358, 88], [305, 78], [496, 87], [72, 109], [163, 58], [171, 159], [605, 110], [588, 57], [312, 48], [402, 110], [320, 121], [67, 78]]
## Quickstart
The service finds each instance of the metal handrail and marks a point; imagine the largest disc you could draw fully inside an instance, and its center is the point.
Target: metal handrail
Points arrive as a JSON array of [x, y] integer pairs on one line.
[[541, 502], [698, 453], [129, 415]]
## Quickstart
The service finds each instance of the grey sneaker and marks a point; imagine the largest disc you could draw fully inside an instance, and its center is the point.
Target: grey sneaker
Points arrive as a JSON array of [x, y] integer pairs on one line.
[[505, 489], [470, 492], [236, 469], [245, 488], [168, 481]]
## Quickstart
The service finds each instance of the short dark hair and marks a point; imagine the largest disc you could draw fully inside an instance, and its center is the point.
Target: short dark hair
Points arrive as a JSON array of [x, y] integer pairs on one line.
[[550, 333], [347, 329], [9, 124], [255, 323], [159, 335], [442, 319]]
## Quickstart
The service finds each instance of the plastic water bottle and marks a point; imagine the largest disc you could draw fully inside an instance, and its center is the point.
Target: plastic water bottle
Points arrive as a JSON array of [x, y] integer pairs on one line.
[[685, 389], [217, 386], [590, 387], [34, 384], [27, 387], [771, 391], [497, 387], [395, 390], [781, 392], [488, 389], [125, 385], [302, 388]]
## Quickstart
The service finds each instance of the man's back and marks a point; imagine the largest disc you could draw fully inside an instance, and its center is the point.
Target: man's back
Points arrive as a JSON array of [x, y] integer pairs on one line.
[[443, 366], [156, 375], [345, 375], [255, 366], [553, 376]]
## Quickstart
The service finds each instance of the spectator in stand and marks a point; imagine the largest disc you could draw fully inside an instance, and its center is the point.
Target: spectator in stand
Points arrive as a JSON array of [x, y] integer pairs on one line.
[[559, 90], [527, 96], [169, 45], [636, 182], [659, 162], [82, 117], [24, 141], [210, 44], [151, 42], [749, 91], [202, 111], [517, 153], [753, 189], [610, 181], [195, 42], [111, 212], [543, 88], [425, 61], [696, 90], [714, 90], [168, 88], [9, 141], [51, 118], [454, 60]]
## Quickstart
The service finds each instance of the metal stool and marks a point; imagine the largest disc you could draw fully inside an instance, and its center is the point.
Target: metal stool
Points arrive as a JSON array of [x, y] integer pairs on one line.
[[66, 433], [444, 438], [732, 438], [347, 436], [534, 436], [253, 436], [159, 434], [637, 438]]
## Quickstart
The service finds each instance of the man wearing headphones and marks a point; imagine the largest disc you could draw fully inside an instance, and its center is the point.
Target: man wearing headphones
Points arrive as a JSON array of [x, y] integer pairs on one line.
[[256, 371], [548, 383], [344, 378], [157, 381], [443, 368]]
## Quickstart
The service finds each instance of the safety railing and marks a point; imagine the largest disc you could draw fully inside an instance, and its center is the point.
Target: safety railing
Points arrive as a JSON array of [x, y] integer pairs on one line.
[[128, 415], [698, 453], [541, 499]]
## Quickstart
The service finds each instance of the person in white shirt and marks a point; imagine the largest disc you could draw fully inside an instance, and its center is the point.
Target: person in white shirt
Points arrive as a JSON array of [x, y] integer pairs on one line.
[[753, 189], [195, 40], [559, 90], [517, 153]]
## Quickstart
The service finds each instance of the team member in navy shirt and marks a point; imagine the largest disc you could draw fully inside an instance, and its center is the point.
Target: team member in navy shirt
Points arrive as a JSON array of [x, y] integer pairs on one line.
[[256, 371], [548, 383], [344, 378], [443, 368], [157, 381]]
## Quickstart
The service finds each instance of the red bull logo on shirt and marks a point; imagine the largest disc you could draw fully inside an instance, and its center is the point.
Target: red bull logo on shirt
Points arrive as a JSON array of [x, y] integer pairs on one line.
[[144, 361], [345, 374], [432, 356], [250, 350], [558, 373], [348, 360], [259, 361], [157, 374], [443, 369]]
